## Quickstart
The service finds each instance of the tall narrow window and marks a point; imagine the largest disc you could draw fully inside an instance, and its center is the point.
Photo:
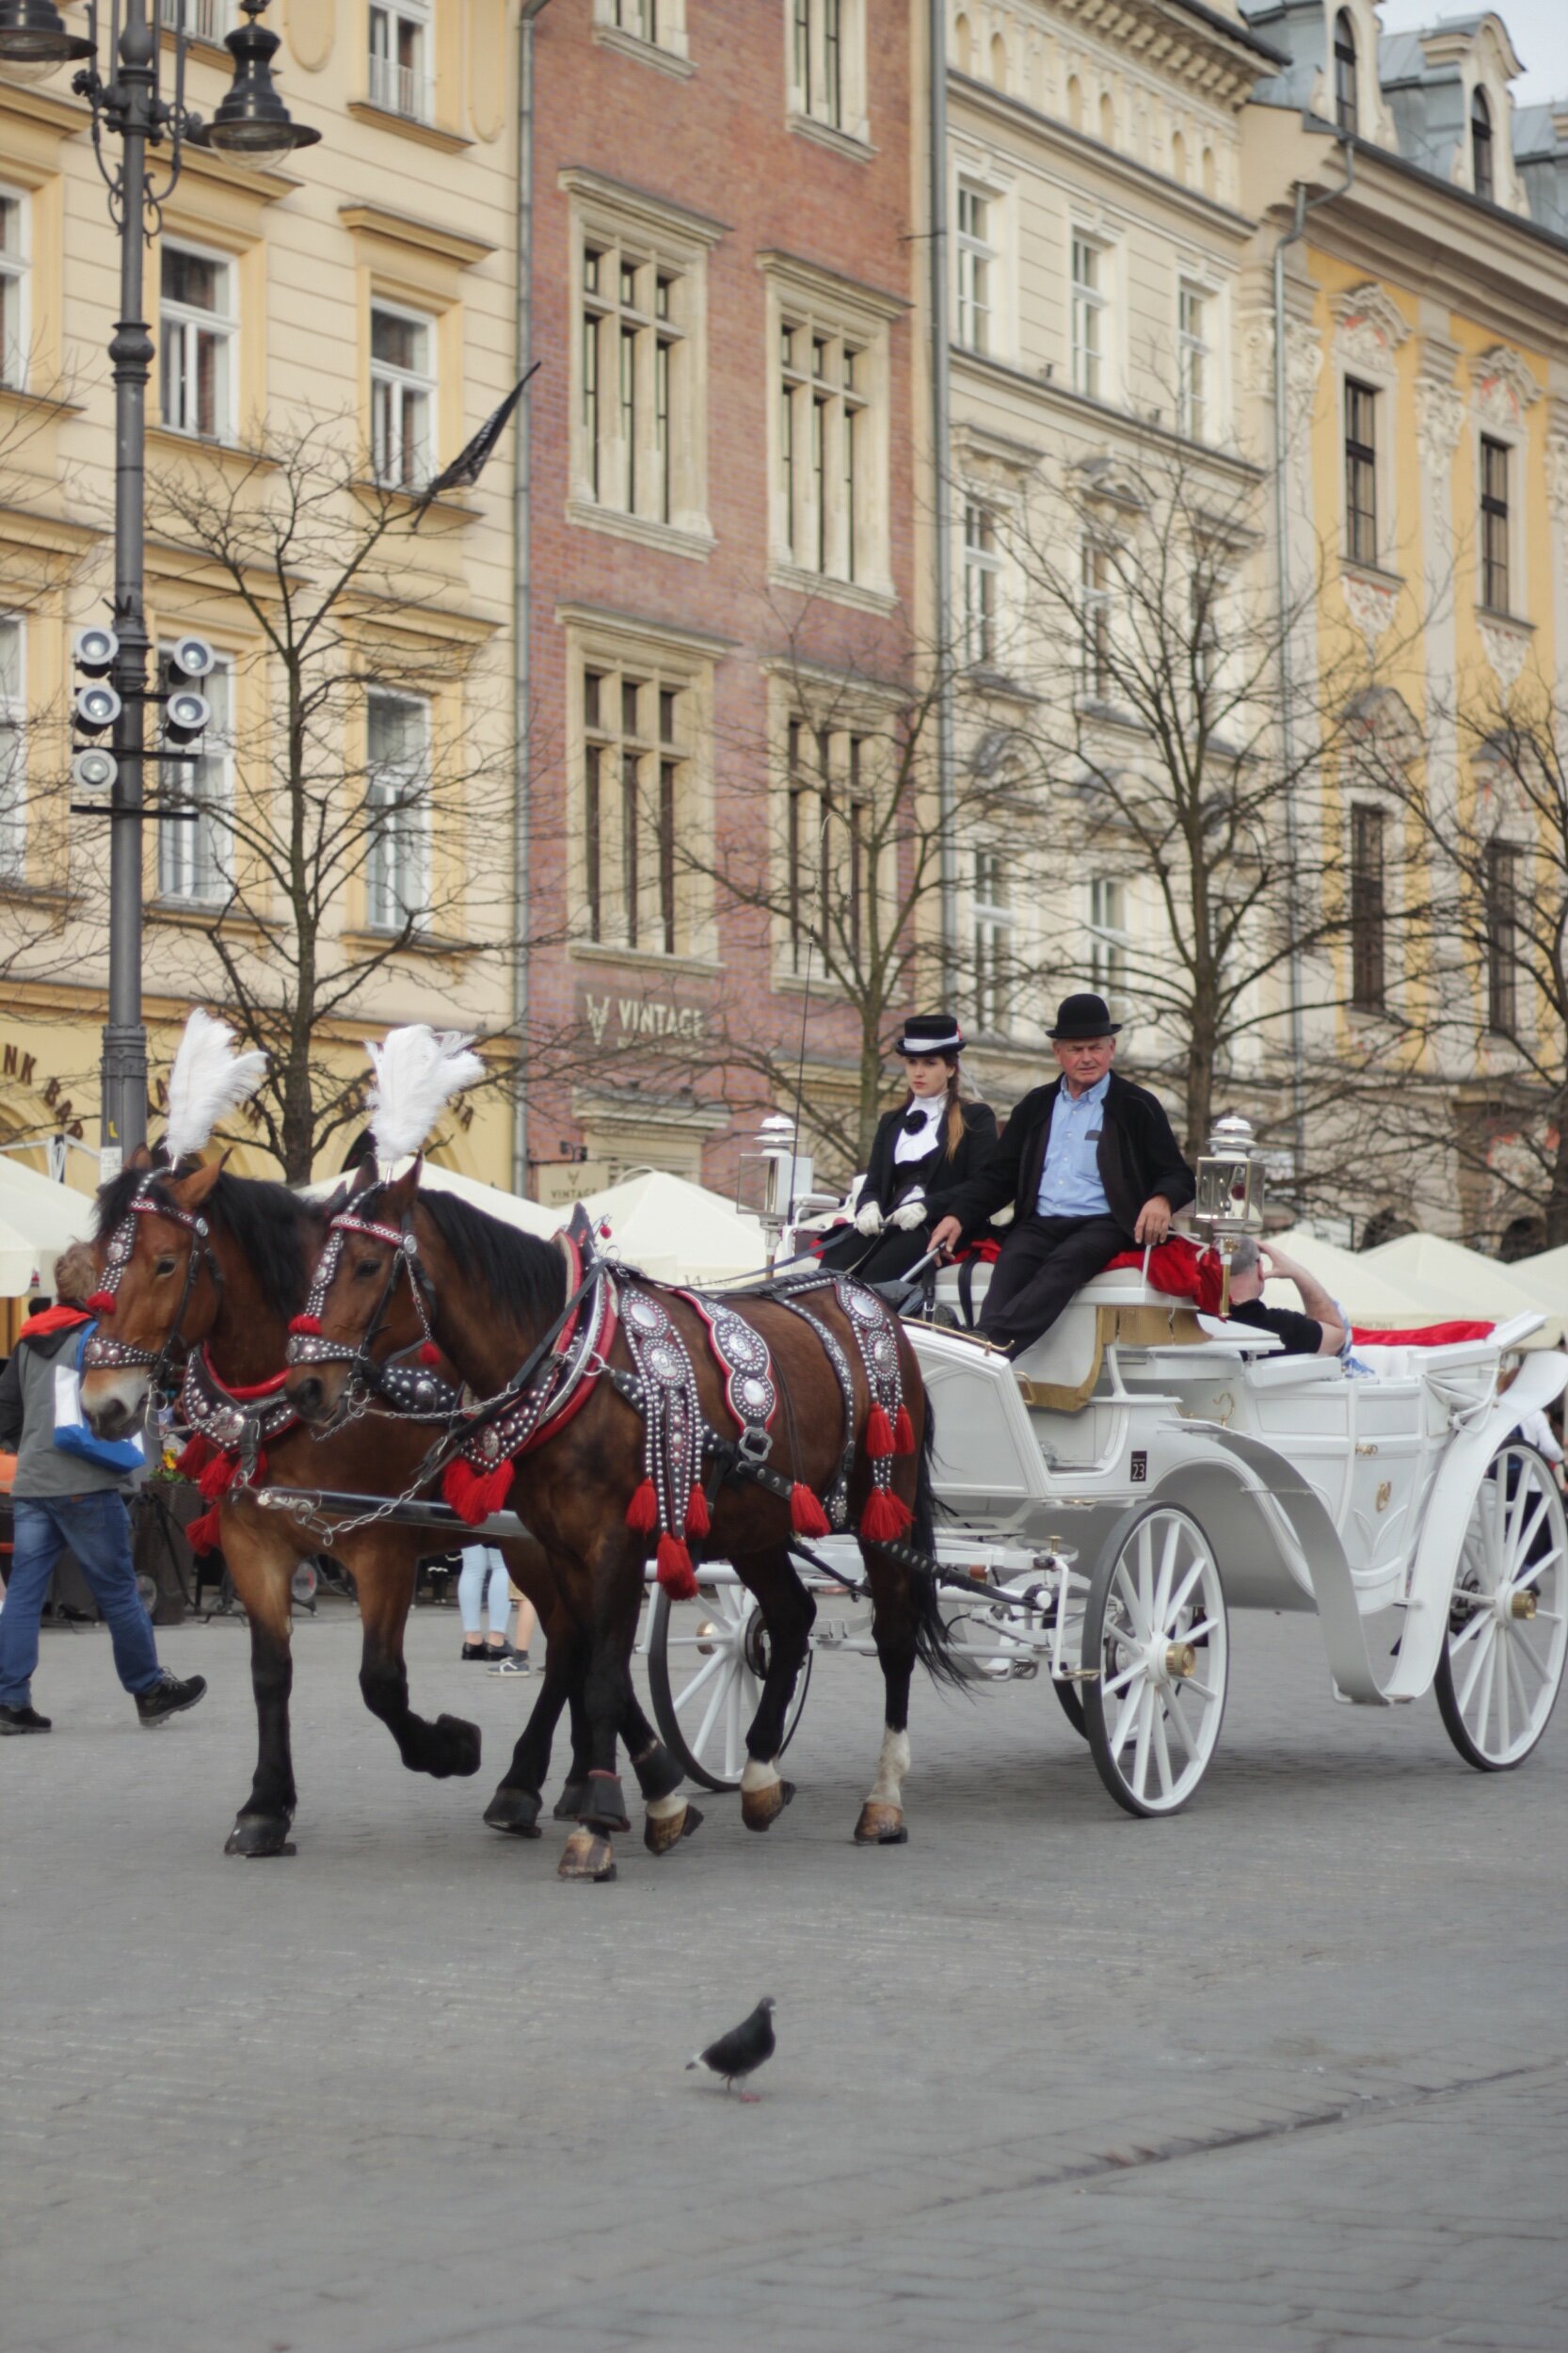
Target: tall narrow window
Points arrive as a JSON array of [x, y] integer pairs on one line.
[[829, 846], [13, 289], [397, 866], [1192, 360], [994, 925], [402, 397], [634, 759], [976, 263], [1346, 109], [204, 19], [825, 47], [1494, 525], [1503, 860], [640, 17], [823, 408], [1108, 937], [196, 854], [631, 379], [13, 812], [1088, 305], [1367, 946], [197, 330], [400, 58], [982, 578], [1361, 474], [1482, 178], [1095, 580]]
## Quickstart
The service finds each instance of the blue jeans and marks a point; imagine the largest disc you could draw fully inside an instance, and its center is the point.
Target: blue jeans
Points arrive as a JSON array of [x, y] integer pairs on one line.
[[98, 1530]]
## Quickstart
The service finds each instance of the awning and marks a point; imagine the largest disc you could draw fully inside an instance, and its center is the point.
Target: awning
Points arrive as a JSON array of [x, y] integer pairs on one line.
[[1545, 1276], [678, 1232], [510, 1209], [39, 1219], [1449, 1280]]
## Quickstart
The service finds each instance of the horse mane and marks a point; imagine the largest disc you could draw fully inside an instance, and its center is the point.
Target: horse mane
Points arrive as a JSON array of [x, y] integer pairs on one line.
[[524, 1276], [276, 1232]]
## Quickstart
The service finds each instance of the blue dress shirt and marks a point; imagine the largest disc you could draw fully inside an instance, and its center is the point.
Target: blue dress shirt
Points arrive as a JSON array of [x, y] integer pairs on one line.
[[1070, 1181]]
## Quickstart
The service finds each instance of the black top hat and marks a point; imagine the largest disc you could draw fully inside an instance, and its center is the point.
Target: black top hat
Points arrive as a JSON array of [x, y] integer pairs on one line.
[[1084, 1017], [930, 1033]]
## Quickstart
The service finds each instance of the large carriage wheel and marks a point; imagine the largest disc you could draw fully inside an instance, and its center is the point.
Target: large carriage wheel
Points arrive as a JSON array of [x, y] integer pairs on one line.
[[705, 1672], [1155, 1632], [1501, 1667]]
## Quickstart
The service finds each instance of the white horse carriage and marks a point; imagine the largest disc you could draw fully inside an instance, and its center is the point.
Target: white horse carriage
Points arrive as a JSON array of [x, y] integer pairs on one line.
[[1113, 1494]]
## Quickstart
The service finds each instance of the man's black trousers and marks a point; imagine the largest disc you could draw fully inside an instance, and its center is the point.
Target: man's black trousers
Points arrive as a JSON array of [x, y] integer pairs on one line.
[[1044, 1260]]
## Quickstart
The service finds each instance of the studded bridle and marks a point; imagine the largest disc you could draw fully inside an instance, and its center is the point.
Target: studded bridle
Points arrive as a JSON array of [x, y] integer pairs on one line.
[[105, 1352], [309, 1345]]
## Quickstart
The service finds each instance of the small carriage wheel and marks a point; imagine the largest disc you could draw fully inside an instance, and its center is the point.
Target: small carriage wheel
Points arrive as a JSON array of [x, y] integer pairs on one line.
[[1070, 1700], [706, 1681], [1501, 1665], [1156, 1634]]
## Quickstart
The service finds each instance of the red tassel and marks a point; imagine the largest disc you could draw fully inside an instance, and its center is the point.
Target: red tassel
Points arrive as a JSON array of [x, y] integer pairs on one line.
[[879, 1434], [195, 1455], [806, 1516], [474, 1494], [218, 1477], [203, 1534], [308, 1325], [428, 1353], [99, 1303], [642, 1512], [904, 1432], [698, 1522], [885, 1518], [675, 1574]]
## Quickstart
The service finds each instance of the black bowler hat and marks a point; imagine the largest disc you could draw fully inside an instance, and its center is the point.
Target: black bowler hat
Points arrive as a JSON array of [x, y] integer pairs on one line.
[[1082, 1017], [930, 1033]]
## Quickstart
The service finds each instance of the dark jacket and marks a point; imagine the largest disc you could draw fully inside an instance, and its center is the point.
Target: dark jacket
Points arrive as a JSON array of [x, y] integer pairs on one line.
[[889, 1181], [1138, 1156]]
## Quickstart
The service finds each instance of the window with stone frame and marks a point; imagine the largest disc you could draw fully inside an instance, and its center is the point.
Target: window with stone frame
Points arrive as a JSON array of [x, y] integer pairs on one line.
[[1195, 363], [1495, 526], [198, 338], [403, 387], [982, 586], [831, 846], [1091, 265], [402, 58], [1109, 938], [822, 397], [1483, 175], [13, 747], [637, 743], [397, 809], [826, 68], [993, 921], [1368, 907], [1361, 471], [977, 258], [1095, 581], [1347, 104], [1504, 869], [196, 851], [15, 232], [636, 27]]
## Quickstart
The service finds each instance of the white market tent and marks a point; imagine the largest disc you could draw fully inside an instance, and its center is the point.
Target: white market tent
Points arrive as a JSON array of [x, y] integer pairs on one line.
[[1449, 1280], [511, 1209], [1545, 1276], [1369, 1296], [38, 1217], [676, 1231]]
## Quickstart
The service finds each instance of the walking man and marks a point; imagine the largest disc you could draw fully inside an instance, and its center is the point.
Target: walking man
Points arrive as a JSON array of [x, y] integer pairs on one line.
[[1092, 1169], [61, 1497]]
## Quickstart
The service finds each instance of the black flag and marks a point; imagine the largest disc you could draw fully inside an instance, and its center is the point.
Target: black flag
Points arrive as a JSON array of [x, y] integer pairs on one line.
[[470, 462]]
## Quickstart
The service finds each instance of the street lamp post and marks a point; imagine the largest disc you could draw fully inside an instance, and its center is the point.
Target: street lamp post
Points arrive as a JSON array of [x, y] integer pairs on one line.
[[254, 126]]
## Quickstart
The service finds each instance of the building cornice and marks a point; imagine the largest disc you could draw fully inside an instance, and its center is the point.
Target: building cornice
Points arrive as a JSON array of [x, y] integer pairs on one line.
[[424, 236], [1065, 402], [1183, 39]]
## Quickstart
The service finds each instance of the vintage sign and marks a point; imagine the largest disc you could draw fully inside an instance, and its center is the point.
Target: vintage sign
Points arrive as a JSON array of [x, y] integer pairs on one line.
[[616, 1020]]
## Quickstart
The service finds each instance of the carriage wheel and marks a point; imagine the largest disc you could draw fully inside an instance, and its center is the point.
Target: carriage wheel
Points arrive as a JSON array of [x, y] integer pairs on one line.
[[705, 1672], [1070, 1700], [1155, 1631], [1501, 1667]]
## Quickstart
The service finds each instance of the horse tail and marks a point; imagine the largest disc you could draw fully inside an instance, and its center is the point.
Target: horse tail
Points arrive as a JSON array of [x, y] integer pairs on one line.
[[933, 1644]]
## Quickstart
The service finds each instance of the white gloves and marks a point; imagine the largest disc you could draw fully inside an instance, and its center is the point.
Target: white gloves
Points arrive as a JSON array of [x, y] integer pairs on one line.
[[868, 1219], [909, 1213]]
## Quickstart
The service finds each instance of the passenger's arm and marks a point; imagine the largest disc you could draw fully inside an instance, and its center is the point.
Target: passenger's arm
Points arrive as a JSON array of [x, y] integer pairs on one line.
[[1315, 1299]]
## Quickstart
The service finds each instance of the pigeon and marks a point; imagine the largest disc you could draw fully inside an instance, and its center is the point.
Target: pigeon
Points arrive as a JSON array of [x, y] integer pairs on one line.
[[742, 2050]]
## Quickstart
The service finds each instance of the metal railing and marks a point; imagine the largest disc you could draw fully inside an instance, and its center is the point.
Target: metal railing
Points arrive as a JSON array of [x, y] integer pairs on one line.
[[398, 90], [203, 20]]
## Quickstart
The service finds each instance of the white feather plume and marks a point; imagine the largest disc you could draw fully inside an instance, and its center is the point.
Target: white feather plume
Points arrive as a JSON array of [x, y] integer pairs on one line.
[[208, 1079], [418, 1070]]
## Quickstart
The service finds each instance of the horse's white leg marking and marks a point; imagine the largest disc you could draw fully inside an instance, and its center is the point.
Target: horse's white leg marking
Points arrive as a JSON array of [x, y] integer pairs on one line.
[[755, 1775], [665, 1809], [892, 1766]]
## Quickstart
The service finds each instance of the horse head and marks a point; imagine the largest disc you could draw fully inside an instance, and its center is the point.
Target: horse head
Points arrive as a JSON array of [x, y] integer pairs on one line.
[[160, 1286], [367, 1299]]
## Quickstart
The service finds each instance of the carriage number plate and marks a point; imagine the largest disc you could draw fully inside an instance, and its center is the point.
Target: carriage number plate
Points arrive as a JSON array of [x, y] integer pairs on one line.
[[1139, 1469]]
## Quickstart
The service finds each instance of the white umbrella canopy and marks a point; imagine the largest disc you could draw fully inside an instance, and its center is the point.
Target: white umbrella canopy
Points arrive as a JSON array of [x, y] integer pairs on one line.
[[39, 1219], [510, 1209], [676, 1231], [1545, 1276], [1449, 1280], [1369, 1296]]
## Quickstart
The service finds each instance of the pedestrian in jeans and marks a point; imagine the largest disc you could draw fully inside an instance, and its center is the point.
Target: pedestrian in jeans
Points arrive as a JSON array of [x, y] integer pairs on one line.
[[60, 1498]]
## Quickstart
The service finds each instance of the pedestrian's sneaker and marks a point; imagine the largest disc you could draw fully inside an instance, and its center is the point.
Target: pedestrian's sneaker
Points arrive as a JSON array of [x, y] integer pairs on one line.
[[16, 1719], [515, 1664], [168, 1696], [477, 1650]]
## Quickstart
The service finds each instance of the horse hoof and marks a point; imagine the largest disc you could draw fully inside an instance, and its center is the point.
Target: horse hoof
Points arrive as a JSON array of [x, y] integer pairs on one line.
[[257, 1835], [516, 1810], [586, 1856], [760, 1808], [880, 1825], [460, 1743], [568, 1805], [659, 1837]]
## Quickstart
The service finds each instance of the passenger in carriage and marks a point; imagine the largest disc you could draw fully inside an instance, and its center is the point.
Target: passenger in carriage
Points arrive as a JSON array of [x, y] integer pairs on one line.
[[922, 1153], [1092, 1168], [1324, 1328]]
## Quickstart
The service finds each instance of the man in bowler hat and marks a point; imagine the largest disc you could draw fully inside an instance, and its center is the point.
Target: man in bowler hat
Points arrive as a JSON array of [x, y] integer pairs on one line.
[[1091, 1167]]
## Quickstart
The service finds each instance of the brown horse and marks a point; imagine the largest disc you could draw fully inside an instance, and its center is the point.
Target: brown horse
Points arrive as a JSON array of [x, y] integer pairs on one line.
[[230, 1292], [413, 1262]]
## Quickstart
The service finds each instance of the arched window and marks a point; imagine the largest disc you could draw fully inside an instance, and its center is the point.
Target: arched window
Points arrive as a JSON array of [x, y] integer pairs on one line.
[[1178, 158], [1107, 120], [1211, 179], [1481, 148], [999, 61], [1075, 101], [960, 45], [1344, 73]]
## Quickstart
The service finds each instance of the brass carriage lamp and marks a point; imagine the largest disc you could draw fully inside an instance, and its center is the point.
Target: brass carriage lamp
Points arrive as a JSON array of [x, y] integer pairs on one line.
[[1229, 1201]]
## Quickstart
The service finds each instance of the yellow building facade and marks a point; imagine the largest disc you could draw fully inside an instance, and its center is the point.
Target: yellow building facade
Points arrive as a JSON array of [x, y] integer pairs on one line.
[[364, 291]]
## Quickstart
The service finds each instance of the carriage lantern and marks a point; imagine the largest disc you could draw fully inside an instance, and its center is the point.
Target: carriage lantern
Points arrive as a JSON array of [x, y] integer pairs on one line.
[[1229, 1201]]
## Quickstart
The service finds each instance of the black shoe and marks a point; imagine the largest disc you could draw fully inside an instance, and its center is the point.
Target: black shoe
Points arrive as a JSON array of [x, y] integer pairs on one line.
[[477, 1650], [168, 1697], [15, 1720]]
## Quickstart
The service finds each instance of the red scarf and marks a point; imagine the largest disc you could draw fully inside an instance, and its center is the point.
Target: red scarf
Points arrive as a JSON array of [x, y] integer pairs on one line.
[[49, 1319]]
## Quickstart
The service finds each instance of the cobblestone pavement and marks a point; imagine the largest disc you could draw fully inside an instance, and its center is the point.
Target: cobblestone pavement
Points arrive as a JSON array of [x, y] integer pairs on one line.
[[1289, 2072]]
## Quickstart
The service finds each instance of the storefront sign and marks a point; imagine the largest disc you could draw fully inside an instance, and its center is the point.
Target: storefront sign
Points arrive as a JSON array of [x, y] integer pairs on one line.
[[622, 1020], [20, 1069]]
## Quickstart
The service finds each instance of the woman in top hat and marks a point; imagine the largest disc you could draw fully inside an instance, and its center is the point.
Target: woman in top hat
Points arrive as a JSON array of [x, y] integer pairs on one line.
[[923, 1152]]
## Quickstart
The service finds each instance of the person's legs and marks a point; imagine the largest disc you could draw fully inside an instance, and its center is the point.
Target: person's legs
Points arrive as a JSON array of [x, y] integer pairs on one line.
[[1052, 1258], [98, 1529], [39, 1544], [498, 1603], [470, 1592]]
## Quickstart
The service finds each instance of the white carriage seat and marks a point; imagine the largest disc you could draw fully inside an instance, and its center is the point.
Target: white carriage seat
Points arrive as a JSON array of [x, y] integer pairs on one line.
[[1059, 1371]]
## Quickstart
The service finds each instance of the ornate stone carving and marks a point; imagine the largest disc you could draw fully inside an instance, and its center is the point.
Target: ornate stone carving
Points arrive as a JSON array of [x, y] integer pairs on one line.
[[1371, 329], [1439, 420], [1303, 357], [1504, 388], [1370, 604], [1505, 649], [1557, 477]]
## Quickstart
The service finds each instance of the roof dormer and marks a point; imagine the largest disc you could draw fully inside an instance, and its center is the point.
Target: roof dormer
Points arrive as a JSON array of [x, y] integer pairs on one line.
[[1478, 54]]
